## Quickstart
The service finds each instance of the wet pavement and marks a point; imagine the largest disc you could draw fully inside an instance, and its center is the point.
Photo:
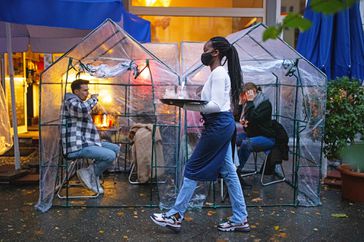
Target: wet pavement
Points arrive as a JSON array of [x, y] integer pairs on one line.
[[335, 220]]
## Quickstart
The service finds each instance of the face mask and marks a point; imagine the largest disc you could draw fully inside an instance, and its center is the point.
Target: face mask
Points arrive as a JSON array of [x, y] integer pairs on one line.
[[206, 58]]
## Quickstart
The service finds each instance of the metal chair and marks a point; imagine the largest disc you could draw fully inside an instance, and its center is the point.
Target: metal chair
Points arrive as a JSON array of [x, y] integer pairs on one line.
[[255, 171], [69, 167]]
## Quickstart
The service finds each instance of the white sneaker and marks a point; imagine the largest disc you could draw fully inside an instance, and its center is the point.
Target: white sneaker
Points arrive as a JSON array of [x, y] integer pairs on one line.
[[101, 189], [87, 177], [172, 222], [229, 226]]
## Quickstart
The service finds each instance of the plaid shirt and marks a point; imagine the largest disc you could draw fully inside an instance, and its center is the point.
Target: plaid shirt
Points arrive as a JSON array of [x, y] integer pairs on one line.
[[77, 128]]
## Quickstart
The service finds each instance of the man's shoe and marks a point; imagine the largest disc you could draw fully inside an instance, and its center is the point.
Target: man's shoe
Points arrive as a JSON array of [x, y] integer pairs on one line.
[[87, 177], [101, 189], [172, 222], [231, 227]]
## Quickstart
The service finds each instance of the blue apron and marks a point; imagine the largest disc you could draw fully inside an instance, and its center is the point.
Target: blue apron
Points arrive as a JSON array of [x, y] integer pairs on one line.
[[209, 155]]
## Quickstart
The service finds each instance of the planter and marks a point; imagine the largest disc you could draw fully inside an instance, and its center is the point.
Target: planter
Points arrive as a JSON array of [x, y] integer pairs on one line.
[[352, 184]]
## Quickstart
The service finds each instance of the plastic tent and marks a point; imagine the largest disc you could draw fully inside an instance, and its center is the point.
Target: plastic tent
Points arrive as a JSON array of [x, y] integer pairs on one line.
[[297, 91], [130, 81]]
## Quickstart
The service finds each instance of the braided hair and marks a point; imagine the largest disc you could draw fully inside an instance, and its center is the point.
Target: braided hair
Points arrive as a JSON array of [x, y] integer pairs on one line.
[[229, 51]]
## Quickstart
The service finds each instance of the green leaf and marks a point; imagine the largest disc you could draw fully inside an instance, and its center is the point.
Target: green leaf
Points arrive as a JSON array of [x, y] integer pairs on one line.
[[339, 215], [272, 32], [331, 6], [295, 20]]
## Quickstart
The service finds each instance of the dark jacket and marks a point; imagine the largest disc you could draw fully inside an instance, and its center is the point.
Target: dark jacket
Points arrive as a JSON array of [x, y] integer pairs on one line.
[[280, 149], [281, 141], [259, 119]]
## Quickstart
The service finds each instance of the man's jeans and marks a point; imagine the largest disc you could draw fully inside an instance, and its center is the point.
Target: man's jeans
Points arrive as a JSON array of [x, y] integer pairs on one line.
[[248, 145], [104, 155], [228, 173]]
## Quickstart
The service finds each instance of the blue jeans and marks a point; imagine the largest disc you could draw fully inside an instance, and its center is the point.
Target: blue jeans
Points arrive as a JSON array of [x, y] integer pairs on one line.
[[248, 145], [228, 173], [103, 155]]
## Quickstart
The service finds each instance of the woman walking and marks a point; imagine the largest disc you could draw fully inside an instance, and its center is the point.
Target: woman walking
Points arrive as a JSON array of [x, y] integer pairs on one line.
[[213, 153]]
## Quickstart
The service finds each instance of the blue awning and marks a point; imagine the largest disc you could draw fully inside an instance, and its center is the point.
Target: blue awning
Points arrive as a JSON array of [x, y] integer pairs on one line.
[[335, 43], [76, 14]]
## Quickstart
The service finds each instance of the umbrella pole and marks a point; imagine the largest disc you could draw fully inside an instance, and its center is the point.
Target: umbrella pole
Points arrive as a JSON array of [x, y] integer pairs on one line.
[[12, 91]]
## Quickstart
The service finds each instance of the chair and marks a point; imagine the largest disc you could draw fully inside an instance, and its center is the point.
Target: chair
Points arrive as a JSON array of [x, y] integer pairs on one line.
[[69, 167], [255, 171]]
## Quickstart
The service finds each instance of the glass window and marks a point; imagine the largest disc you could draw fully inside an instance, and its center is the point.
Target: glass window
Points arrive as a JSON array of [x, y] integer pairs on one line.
[[199, 3], [176, 29]]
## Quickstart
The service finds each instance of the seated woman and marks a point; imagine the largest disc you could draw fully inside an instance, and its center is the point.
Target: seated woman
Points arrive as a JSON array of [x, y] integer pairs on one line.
[[256, 120]]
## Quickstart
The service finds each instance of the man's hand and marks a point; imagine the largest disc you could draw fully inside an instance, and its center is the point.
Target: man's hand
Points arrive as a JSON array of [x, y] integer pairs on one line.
[[95, 96]]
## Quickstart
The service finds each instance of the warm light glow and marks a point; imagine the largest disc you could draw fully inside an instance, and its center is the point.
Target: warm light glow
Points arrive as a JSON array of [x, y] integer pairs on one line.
[[17, 79], [145, 74], [72, 77], [166, 3], [251, 22], [150, 3], [105, 97]]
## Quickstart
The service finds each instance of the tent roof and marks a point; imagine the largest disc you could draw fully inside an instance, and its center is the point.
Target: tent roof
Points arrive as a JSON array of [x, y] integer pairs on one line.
[[251, 47]]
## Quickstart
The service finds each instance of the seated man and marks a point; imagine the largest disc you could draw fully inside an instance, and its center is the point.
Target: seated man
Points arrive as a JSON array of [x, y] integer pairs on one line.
[[256, 119], [80, 138]]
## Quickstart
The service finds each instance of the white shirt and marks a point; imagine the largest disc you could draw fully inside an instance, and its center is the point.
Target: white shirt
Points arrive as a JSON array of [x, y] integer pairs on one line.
[[217, 91]]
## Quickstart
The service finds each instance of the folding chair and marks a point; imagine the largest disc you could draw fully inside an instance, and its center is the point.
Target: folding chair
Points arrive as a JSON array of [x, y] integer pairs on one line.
[[70, 167], [255, 171]]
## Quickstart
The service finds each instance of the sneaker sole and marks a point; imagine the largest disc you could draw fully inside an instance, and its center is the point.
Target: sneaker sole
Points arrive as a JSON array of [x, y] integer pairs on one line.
[[165, 225], [234, 229], [85, 185]]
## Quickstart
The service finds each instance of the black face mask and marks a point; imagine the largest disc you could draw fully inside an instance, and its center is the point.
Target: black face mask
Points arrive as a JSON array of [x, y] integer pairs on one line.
[[206, 58]]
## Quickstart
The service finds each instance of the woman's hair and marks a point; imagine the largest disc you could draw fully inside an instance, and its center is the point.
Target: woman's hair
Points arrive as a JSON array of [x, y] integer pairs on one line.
[[228, 50], [250, 86]]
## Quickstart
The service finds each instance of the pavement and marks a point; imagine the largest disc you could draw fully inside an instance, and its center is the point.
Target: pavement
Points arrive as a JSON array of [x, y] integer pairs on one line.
[[335, 220]]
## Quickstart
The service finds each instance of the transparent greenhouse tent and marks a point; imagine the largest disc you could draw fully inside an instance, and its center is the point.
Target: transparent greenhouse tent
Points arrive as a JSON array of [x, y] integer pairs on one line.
[[297, 91], [130, 80]]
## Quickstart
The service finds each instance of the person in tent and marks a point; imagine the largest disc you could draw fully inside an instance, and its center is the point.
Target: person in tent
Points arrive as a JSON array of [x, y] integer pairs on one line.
[[80, 138], [213, 153], [256, 118]]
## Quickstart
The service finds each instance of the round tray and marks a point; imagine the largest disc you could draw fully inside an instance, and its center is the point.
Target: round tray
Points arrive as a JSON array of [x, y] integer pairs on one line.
[[177, 101]]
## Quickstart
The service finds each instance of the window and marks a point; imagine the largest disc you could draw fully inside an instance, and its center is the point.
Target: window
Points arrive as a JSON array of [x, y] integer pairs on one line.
[[177, 29], [199, 3]]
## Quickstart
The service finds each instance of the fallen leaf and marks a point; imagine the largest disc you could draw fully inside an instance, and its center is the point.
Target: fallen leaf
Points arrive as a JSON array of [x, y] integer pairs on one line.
[[188, 218], [253, 226], [210, 213], [339, 215], [293, 212], [39, 232], [258, 199], [283, 235], [120, 214], [276, 228], [125, 237], [101, 231], [315, 229]]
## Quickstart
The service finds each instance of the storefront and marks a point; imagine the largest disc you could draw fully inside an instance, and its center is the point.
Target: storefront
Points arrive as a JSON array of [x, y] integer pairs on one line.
[[172, 21]]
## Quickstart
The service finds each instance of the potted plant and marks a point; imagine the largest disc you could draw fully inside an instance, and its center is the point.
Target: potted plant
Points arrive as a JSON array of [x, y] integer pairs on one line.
[[344, 123]]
